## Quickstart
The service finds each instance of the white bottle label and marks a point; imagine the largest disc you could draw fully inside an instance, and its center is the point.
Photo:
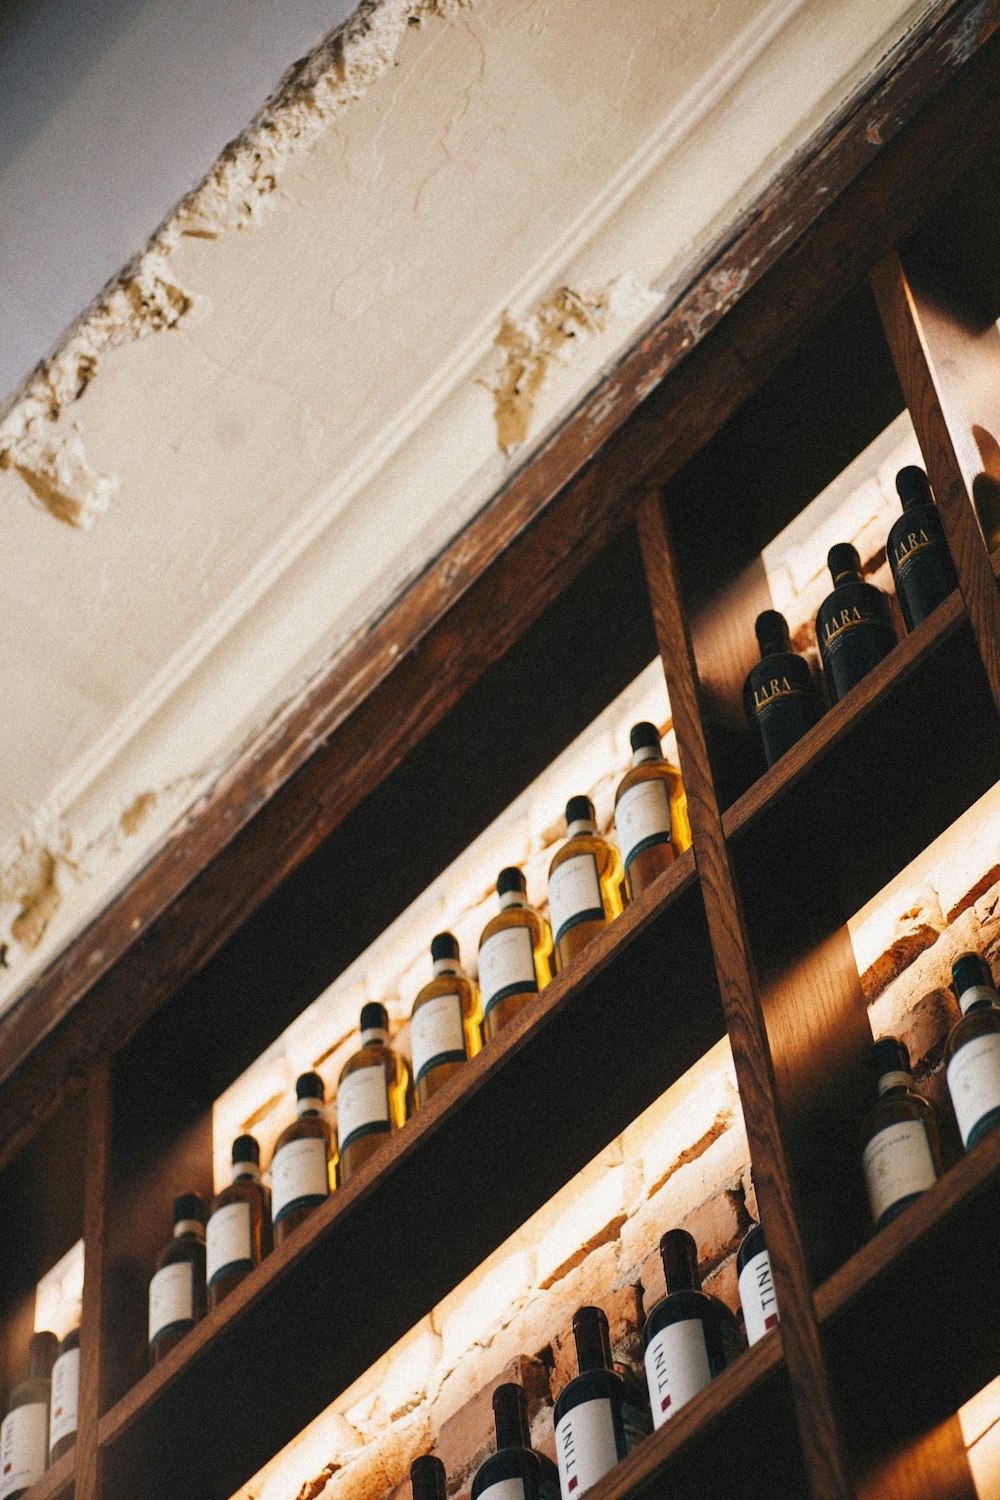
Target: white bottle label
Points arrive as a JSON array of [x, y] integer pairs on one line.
[[228, 1239], [574, 895], [585, 1446], [65, 1396], [504, 1489], [974, 1082], [171, 1297], [299, 1170], [760, 1310], [362, 1105], [642, 818], [897, 1162], [507, 966], [436, 1034], [676, 1367], [24, 1447]]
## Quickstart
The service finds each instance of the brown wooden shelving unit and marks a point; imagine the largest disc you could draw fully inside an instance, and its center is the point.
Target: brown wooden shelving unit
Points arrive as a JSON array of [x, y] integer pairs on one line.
[[637, 529]]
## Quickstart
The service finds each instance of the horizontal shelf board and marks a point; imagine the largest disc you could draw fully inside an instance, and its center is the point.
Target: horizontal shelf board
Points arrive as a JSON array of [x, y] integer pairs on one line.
[[56, 1483], [473, 1165]]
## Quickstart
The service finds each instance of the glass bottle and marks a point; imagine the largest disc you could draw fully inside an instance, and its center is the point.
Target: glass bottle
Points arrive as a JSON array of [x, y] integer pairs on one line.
[[779, 695], [972, 1053], [594, 1424], [753, 1271], [854, 624], [24, 1433], [371, 1093], [177, 1290], [585, 879], [689, 1336], [515, 954], [444, 1023], [651, 813], [239, 1225], [902, 1151], [922, 569], [515, 1471], [301, 1174], [428, 1480], [65, 1404]]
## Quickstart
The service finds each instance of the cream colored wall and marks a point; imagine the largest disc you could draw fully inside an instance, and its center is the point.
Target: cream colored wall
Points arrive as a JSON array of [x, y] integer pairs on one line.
[[329, 358]]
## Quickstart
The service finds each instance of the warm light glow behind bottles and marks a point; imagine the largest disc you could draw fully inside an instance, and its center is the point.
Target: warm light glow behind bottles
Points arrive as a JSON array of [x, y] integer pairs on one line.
[[59, 1294]]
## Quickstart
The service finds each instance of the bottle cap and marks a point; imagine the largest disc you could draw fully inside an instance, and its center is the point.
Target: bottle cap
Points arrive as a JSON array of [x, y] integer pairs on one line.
[[578, 808], [645, 736], [444, 945], [374, 1016], [772, 632], [913, 487], [42, 1350], [843, 561], [593, 1340], [510, 1413], [968, 970], [309, 1086], [189, 1206], [427, 1478], [245, 1148], [511, 879], [891, 1056], [679, 1254]]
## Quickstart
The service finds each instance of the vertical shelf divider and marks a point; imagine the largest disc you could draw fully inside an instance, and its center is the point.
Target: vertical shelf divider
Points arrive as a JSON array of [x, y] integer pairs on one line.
[[88, 1484], [818, 1426]]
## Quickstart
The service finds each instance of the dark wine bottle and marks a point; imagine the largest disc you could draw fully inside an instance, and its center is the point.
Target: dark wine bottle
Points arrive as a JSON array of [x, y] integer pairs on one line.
[[239, 1226], [689, 1335], [428, 1480], [24, 1434], [854, 624], [753, 1270], [177, 1291], [922, 569], [779, 695], [972, 1053], [594, 1421], [65, 1404], [300, 1167], [902, 1150], [515, 1471]]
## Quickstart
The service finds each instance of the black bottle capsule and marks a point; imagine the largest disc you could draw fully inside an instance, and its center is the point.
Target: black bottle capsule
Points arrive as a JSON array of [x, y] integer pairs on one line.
[[779, 696], [854, 624], [922, 569]]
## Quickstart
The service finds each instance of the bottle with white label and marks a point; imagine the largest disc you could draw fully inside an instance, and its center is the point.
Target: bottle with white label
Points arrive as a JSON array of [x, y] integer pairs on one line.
[[428, 1480], [302, 1171], [65, 1403], [585, 883], [177, 1291], [901, 1150], [592, 1431], [515, 954], [444, 1024], [753, 1270], [973, 1051], [24, 1434], [372, 1093], [239, 1225], [651, 812], [689, 1336], [515, 1471]]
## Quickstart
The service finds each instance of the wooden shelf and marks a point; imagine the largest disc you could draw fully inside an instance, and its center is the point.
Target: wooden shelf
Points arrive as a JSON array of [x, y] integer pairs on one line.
[[56, 1483]]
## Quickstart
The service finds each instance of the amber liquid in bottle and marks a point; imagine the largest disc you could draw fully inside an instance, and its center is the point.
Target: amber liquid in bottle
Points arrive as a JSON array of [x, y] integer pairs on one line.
[[585, 880], [651, 814], [24, 1434], [239, 1226], [65, 1403], [372, 1093], [515, 955], [972, 1053], [901, 1154], [177, 1291], [445, 1021], [302, 1170]]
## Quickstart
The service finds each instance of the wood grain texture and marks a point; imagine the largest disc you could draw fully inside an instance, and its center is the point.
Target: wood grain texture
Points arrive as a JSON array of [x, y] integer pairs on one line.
[[932, 1467], [745, 1023], [96, 1208], [56, 1483]]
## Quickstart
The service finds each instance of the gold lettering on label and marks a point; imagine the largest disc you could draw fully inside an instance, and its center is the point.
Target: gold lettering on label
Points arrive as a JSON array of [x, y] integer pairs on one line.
[[778, 687], [913, 542]]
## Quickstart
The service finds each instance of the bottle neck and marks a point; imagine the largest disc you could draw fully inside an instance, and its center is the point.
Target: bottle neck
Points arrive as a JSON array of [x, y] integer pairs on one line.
[[308, 1107], [645, 752], [579, 826], [593, 1344], [680, 1263], [189, 1229], [446, 966], [977, 995], [510, 1412], [246, 1171], [890, 1082], [847, 575], [512, 898], [375, 1036]]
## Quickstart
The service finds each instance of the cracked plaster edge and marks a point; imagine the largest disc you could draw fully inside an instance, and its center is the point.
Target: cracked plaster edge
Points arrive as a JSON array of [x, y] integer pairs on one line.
[[145, 297]]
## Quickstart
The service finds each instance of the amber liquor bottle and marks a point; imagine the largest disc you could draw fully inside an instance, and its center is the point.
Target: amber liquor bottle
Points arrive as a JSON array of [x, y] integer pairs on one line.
[[972, 1053], [651, 816], [24, 1433], [515, 954], [300, 1167], [901, 1145], [854, 624], [65, 1404], [593, 1422], [239, 1225], [585, 879], [177, 1291], [753, 1271], [515, 1471], [371, 1093], [779, 695], [689, 1336], [444, 1023], [922, 569]]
